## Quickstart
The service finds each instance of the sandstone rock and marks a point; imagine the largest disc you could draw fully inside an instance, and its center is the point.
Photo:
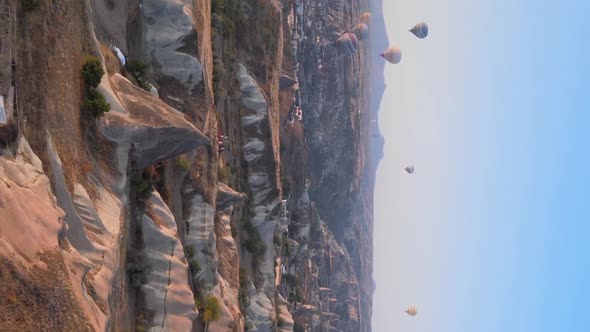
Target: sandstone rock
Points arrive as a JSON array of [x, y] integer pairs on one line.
[[226, 196], [285, 321], [258, 153], [215, 254], [167, 293], [169, 44], [30, 219], [155, 130]]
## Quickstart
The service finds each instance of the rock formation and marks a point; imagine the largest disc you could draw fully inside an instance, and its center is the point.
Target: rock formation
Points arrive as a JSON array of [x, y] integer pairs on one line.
[[198, 190]]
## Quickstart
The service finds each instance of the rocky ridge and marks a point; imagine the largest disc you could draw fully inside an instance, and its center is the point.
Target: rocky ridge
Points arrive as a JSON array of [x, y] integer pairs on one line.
[[132, 221]]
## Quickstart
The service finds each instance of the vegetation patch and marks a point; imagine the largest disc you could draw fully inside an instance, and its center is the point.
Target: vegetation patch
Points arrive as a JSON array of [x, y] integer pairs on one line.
[[92, 72], [217, 7], [243, 294], [210, 310], [30, 5], [141, 323], [8, 134], [286, 246], [194, 267], [144, 185], [228, 22], [138, 69], [182, 163], [95, 103], [189, 252], [291, 280], [299, 296], [259, 39], [234, 230], [254, 242], [218, 77], [137, 268], [159, 179], [230, 18]]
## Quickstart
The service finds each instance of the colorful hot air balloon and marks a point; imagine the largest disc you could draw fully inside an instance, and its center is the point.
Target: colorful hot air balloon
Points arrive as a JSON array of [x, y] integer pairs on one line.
[[361, 31], [392, 54], [409, 169], [366, 18], [411, 311], [420, 30], [347, 43], [334, 35]]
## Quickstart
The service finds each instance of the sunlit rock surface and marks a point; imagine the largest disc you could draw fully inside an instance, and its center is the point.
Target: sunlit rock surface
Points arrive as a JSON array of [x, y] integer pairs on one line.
[[264, 199], [167, 292], [155, 130], [168, 39]]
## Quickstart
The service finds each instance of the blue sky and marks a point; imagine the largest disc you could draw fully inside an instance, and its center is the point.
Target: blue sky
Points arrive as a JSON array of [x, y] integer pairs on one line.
[[492, 232]]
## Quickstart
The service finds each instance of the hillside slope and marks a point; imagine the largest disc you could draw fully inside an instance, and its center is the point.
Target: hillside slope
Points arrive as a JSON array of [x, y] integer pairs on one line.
[[193, 204]]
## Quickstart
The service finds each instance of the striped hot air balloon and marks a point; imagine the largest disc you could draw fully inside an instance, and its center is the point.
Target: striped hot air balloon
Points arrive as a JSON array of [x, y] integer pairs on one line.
[[411, 311], [366, 18], [392, 54], [361, 31], [347, 43], [420, 30]]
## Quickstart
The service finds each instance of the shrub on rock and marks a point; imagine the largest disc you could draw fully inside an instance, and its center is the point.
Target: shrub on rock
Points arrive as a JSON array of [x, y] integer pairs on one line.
[[138, 69], [8, 133], [212, 310], [96, 104], [92, 72], [30, 5]]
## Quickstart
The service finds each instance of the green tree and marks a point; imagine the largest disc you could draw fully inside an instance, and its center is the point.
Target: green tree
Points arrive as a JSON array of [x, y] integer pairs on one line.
[[92, 72], [96, 104], [189, 252], [182, 163], [211, 311], [194, 267], [138, 69], [30, 5]]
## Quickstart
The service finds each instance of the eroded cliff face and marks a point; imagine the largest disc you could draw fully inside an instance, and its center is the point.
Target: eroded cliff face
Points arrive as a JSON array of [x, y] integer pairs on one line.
[[264, 198], [164, 34], [167, 292], [136, 220], [89, 184], [35, 266]]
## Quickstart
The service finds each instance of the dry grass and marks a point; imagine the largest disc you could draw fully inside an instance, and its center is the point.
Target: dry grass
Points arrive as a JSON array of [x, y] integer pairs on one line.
[[53, 42], [39, 299]]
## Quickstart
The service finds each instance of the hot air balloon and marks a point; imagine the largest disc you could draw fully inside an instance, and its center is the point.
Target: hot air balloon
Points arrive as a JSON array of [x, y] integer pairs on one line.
[[361, 31], [334, 35], [366, 18], [392, 54], [411, 311], [347, 43], [409, 169], [420, 30]]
